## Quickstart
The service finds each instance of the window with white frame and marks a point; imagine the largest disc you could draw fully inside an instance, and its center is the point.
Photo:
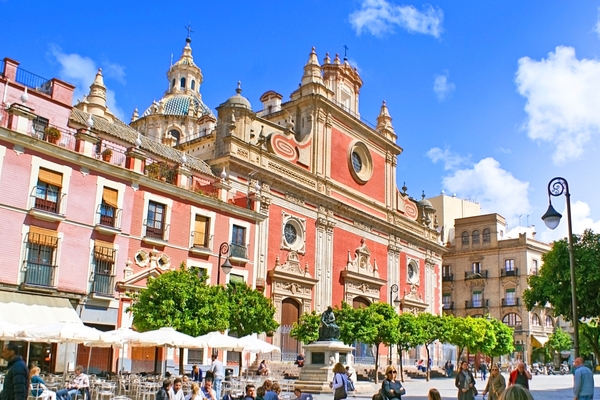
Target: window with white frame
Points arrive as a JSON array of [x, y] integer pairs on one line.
[[237, 248], [48, 191], [201, 232], [476, 267], [155, 220], [509, 265], [40, 259]]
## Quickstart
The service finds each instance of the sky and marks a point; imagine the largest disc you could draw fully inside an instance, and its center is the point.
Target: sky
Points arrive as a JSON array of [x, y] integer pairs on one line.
[[490, 100]]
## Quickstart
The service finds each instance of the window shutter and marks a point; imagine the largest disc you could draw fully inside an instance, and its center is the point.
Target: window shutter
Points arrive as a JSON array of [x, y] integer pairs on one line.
[[42, 236], [50, 177], [110, 197], [104, 251]]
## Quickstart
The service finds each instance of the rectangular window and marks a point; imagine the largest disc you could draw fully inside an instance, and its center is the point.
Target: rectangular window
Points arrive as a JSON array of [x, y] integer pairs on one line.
[[509, 265], [477, 298], [511, 298], [236, 278], [237, 248], [446, 271], [39, 124], [155, 220], [534, 267], [104, 268], [195, 356], [201, 231], [47, 191], [476, 267], [446, 300], [108, 207], [40, 261]]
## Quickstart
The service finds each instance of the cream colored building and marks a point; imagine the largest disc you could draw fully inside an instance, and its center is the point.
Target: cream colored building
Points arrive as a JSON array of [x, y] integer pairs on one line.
[[483, 272], [449, 208]]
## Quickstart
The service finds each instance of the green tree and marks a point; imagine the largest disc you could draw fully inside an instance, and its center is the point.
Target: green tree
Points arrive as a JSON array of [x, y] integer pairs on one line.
[[464, 333], [249, 311], [409, 336], [384, 319], [504, 339], [553, 283], [484, 336], [433, 327], [589, 332], [182, 300], [558, 341], [306, 329]]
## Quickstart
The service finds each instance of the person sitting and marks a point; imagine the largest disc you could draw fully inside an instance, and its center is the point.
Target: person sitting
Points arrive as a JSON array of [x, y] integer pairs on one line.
[[208, 391], [176, 392], [196, 373], [302, 396], [250, 392], [38, 386], [421, 366], [194, 394], [300, 360], [78, 385], [263, 369], [163, 392]]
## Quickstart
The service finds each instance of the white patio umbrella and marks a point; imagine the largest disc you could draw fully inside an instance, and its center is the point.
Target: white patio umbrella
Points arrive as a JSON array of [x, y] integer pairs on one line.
[[125, 335], [165, 337], [253, 344], [10, 331], [218, 341]]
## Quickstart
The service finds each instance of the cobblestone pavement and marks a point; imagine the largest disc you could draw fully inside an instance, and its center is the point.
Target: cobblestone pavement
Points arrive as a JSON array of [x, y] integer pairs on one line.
[[542, 387]]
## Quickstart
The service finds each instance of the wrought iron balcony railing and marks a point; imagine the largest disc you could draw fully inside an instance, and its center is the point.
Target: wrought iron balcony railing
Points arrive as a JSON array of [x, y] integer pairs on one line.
[[448, 278], [476, 274], [239, 251], [507, 302], [509, 272], [39, 274], [483, 303], [104, 284]]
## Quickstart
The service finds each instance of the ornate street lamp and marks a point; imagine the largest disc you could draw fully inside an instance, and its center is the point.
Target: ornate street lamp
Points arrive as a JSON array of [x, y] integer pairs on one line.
[[551, 218], [394, 289], [226, 267]]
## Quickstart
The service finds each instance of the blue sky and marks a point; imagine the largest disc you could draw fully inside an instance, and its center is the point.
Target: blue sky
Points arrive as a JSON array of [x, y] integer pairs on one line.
[[490, 100]]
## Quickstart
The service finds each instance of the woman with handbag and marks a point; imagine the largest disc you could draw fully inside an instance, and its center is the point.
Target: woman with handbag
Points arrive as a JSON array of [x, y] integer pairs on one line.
[[340, 382], [465, 383], [391, 388], [495, 385]]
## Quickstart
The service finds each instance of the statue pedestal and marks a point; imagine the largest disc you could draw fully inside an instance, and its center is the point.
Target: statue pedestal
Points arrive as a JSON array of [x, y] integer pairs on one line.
[[320, 357]]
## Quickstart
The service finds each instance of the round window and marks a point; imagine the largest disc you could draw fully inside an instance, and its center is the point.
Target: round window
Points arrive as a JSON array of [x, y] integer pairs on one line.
[[290, 233], [356, 161]]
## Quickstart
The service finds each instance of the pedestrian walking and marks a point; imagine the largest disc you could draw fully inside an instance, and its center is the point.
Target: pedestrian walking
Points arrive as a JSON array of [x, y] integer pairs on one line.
[[218, 375], [520, 376], [465, 383], [483, 368], [434, 394], [583, 380], [340, 382], [495, 385], [16, 380]]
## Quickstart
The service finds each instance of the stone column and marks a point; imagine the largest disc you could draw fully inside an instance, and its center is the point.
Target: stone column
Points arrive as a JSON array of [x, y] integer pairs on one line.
[[324, 264]]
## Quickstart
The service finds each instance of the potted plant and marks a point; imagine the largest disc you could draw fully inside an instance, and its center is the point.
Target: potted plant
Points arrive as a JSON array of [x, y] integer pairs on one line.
[[106, 154], [153, 170], [52, 134]]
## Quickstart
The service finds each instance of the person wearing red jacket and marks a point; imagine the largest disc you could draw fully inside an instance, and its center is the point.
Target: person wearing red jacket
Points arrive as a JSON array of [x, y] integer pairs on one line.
[[520, 376]]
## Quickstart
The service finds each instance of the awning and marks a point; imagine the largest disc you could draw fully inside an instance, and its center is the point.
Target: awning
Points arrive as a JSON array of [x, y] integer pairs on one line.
[[540, 339], [29, 309]]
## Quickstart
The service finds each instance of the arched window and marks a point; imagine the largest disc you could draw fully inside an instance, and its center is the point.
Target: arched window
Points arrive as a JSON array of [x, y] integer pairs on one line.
[[175, 133], [173, 84], [535, 320], [486, 235], [193, 85], [465, 238], [182, 83], [512, 319], [549, 321], [475, 237]]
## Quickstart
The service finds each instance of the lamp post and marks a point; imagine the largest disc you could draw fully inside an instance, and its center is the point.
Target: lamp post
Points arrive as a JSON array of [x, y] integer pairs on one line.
[[551, 218], [226, 267], [395, 303]]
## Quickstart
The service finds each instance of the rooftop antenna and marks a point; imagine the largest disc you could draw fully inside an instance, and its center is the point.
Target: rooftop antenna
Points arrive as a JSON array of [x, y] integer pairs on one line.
[[346, 53]]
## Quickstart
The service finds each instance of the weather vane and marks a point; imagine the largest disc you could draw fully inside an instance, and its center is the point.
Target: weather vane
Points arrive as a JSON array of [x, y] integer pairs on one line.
[[189, 29]]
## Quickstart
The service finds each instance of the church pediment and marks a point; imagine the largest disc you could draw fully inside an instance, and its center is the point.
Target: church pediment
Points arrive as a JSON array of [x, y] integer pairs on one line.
[[361, 263], [412, 301], [290, 279], [137, 282]]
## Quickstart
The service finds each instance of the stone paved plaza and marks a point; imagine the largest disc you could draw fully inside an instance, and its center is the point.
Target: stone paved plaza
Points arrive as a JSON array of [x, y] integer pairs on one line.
[[542, 387]]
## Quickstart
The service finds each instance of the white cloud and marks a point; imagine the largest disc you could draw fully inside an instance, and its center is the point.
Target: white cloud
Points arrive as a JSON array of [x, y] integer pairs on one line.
[[379, 16], [442, 88], [496, 189], [450, 159], [115, 71], [81, 71], [563, 99], [597, 27], [580, 219]]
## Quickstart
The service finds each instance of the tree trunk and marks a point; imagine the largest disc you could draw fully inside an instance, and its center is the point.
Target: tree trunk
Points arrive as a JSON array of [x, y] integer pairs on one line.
[[427, 366], [377, 363], [400, 363], [460, 351], [181, 370], [240, 364]]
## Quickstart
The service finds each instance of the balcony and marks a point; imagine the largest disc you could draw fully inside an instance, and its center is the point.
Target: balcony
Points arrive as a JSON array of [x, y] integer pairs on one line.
[[448, 278], [201, 244], [477, 304], [39, 275], [109, 219], [156, 236], [509, 272], [481, 274], [103, 285], [46, 204], [34, 81], [448, 306], [515, 301], [238, 252]]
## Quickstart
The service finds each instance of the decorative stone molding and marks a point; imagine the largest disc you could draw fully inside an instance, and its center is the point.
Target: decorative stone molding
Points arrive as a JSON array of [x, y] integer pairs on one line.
[[476, 257], [291, 280], [413, 301], [293, 199], [361, 277], [362, 226]]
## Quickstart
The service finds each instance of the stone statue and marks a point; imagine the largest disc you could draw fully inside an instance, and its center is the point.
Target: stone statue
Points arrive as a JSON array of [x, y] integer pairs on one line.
[[328, 330]]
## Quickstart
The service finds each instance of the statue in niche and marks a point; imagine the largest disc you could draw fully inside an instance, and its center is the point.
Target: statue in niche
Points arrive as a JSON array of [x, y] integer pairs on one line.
[[328, 330]]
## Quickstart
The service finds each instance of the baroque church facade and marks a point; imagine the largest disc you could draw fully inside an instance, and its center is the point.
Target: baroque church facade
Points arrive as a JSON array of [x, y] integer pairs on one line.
[[337, 227]]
